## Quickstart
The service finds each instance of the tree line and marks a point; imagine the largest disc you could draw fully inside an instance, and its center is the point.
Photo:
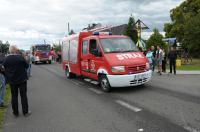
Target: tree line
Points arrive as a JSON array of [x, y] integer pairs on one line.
[[4, 47], [185, 25]]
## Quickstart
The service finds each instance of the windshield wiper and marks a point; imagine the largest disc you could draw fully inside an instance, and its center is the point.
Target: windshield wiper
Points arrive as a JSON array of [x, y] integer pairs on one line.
[[129, 51], [114, 52]]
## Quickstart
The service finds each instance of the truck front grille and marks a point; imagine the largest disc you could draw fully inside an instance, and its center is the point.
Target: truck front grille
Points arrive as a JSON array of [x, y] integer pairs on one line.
[[137, 69]]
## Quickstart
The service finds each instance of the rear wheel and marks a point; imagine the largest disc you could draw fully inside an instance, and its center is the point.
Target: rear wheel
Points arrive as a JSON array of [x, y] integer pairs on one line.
[[68, 74], [104, 83]]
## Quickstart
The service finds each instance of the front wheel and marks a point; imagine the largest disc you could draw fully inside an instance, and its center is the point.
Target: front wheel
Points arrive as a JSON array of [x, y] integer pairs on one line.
[[104, 83], [68, 74]]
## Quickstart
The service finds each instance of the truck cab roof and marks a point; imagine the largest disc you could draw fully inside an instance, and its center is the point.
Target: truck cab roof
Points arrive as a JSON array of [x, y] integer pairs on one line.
[[105, 36]]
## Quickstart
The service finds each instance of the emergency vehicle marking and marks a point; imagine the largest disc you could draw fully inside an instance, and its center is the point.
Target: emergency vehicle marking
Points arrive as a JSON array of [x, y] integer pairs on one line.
[[129, 56], [85, 64], [92, 65]]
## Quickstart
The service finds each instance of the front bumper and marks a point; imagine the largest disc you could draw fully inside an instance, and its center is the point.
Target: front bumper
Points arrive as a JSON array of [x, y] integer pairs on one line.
[[129, 80], [42, 59]]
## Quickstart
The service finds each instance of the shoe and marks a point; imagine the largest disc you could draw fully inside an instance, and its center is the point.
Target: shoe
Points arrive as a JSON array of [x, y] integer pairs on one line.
[[27, 114], [16, 115]]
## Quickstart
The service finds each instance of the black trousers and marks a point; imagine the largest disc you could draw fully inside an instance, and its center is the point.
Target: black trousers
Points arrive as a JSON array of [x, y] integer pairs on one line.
[[172, 63], [22, 88], [163, 65]]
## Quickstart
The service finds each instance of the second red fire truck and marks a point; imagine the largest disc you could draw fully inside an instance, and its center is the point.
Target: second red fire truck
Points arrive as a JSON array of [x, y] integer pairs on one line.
[[113, 60], [41, 53]]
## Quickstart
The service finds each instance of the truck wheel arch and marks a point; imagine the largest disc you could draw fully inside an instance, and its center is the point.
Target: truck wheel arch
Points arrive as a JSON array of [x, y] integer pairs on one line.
[[102, 71], [67, 67]]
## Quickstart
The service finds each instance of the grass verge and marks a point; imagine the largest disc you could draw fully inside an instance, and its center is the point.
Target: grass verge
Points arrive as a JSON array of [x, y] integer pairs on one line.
[[6, 101], [193, 65]]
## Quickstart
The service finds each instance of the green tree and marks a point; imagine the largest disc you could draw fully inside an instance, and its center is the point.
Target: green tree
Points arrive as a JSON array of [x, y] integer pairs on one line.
[[156, 39], [185, 24], [131, 29], [192, 35], [4, 47], [71, 32], [57, 47]]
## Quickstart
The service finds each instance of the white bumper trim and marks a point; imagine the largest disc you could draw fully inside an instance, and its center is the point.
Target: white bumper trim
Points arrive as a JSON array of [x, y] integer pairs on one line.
[[130, 79]]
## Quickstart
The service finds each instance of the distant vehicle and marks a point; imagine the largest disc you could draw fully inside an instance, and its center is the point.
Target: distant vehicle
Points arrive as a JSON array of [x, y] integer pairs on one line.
[[113, 60], [41, 53]]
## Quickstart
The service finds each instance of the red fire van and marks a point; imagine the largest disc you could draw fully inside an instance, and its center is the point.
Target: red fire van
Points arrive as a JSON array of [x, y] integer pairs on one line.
[[40, 53], [113, 60]]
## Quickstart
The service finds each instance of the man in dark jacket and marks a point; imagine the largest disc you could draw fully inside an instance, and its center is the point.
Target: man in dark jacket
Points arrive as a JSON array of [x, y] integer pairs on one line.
[[15, 69], [172, 56]]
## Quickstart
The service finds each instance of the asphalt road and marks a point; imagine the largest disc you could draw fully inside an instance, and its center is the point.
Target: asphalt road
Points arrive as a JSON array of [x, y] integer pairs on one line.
[[167, 103]]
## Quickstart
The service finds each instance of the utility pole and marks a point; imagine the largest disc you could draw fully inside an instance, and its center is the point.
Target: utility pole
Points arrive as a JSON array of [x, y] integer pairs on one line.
[[44, 41], [68, 28]]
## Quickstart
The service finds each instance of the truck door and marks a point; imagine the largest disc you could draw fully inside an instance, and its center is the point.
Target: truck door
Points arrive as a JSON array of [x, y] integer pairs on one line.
[[91, 58], [95, 58], [84, 59]]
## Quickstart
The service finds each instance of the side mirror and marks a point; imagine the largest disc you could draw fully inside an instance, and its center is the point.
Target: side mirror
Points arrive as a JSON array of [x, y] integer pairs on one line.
[[96, 52]]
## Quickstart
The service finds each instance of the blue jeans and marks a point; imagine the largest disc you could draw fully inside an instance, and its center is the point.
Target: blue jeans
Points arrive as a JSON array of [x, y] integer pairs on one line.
[[2, 87], [29, 70]]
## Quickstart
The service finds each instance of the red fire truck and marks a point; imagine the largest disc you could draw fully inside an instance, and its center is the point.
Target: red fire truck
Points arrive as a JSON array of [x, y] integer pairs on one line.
[[41, 53], [113, 60]]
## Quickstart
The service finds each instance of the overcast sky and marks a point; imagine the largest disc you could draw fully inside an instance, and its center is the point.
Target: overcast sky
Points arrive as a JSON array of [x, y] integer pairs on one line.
[[25, 22]]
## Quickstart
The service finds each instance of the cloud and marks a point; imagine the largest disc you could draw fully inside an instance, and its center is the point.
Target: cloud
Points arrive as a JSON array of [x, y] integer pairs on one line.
[[25, 22]]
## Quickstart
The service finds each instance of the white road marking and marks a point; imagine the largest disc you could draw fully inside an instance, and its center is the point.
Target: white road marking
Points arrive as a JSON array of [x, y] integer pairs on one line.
[[140, 130], [190, 129], [133, 108], [95, 91]]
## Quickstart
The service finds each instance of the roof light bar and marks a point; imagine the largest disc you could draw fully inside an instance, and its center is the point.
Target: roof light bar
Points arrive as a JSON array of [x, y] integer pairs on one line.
[[102, 33]]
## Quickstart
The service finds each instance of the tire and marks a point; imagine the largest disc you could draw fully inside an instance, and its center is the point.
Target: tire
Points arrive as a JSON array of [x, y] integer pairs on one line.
[[104, 83], [49, 61], [35, 62], [68, 74]]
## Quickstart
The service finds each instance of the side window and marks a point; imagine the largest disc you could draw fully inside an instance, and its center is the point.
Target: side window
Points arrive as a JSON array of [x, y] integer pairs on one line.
[[84, 47], [93, 46]]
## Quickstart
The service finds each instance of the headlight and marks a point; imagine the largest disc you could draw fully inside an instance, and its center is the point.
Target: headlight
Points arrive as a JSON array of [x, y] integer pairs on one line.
[[118, 69], [147, 66], [37, 58]]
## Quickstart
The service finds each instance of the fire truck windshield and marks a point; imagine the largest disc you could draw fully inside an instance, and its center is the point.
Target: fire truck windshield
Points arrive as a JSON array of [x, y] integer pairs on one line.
[[43, 48], [117, 45]]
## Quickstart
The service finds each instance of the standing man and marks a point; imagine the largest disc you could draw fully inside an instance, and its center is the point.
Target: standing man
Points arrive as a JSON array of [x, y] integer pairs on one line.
[[15, 69], [164, 59], [153, 58], [172, 56], [159, 57]]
